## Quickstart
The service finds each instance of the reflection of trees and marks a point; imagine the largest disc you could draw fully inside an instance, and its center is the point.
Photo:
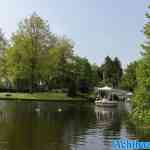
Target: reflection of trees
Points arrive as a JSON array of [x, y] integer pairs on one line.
[[6, 123], [40, 126], [136, 131], [47, 128], [111, 120], [33, 130], [117, 122], [107, 117]]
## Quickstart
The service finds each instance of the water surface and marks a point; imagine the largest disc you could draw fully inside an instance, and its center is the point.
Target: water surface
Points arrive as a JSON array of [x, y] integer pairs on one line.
[[62, 126]]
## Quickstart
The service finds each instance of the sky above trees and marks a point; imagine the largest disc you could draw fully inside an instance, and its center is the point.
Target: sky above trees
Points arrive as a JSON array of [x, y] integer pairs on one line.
[[98, 27]]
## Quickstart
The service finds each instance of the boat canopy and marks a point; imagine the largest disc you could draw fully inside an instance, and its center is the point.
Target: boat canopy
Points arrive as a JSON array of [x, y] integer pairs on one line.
[[112, 91], [105, 88]]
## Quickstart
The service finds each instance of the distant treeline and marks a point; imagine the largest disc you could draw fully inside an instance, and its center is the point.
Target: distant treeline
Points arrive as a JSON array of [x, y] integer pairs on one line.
[[35, 59]]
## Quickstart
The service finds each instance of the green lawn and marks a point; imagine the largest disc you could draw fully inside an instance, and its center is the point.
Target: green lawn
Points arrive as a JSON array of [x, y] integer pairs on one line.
[[39, 96]]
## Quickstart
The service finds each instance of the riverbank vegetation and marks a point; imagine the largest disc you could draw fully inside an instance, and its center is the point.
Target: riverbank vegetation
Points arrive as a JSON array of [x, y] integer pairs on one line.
[[36, 60], [41, 96], [129, 78], [141, 103]]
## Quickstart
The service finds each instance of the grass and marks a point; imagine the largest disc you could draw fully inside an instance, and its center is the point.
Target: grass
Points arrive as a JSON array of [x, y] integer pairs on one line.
[[51, 96]]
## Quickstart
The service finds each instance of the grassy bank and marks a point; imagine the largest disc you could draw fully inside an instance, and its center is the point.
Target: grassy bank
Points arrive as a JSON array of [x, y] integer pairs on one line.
[[41, 96]]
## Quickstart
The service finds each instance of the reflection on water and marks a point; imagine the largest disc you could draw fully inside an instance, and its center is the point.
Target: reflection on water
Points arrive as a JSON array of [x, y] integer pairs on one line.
[[62, 126], [104, 114]]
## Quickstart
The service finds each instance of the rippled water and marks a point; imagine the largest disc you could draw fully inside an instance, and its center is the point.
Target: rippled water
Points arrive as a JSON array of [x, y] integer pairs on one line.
[[62, 126]]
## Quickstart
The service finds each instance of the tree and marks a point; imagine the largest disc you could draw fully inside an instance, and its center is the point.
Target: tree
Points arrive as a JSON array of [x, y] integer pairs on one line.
[[83, 71], [37, 57], [111, 72], [95, 75], [3, 43], [106, 70], [141, 109], [129, 81], [65, 47], [62, 58], [118, 71], [3, 46], [29, 50]]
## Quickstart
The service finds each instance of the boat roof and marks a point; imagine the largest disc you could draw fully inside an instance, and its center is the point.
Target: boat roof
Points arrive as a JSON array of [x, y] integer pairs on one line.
[[112, 90], [105, 88]]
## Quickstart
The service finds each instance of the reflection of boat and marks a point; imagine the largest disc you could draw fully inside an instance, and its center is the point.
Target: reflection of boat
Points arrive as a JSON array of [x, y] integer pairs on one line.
[[104, 114]]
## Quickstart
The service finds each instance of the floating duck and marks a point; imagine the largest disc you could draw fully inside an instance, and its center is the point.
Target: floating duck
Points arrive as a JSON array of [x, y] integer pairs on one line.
[[37, 109], [59, 110]]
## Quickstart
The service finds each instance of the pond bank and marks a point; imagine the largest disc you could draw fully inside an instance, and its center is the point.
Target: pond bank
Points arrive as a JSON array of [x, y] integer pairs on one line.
[[43, 96]]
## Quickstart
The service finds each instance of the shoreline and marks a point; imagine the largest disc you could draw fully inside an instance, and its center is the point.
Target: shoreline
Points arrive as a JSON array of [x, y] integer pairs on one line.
[[42, 97], [45, 100]]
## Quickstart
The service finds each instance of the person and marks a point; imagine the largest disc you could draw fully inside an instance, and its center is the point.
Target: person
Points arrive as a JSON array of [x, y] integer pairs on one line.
[[104, 99]]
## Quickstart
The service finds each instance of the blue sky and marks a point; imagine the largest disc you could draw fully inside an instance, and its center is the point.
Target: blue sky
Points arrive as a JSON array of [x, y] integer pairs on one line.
[[97, 27]]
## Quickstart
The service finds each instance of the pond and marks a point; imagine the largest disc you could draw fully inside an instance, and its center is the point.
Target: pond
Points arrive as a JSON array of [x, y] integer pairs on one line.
[[62, 126]]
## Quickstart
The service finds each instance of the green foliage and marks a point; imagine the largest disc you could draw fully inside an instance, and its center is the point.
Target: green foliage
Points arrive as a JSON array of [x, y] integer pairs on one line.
[[61, 59], [3, 43], [111, 72], [36, 59], [27, 59], [129, 81], [3, 46], [95, 75], [83, 71], [141, 109], [41, 96]]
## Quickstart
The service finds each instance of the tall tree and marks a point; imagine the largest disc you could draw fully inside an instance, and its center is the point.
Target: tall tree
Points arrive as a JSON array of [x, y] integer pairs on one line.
[[129, 81], [3, 43], [84, 74], [142, 95], [118, 71], [62, 56], [3, 46], [29, 49], [95, 75], [111, 72], [106, 70]]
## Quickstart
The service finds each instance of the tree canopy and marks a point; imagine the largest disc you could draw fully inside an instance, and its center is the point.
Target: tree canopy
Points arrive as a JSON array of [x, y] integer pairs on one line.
[[36, 58], [27, 57], [111, 72], [129, 80], [142, 94]]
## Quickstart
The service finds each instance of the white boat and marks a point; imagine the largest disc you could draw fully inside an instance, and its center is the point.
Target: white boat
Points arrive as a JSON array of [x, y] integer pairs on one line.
[[105, 97], [106, 103]]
